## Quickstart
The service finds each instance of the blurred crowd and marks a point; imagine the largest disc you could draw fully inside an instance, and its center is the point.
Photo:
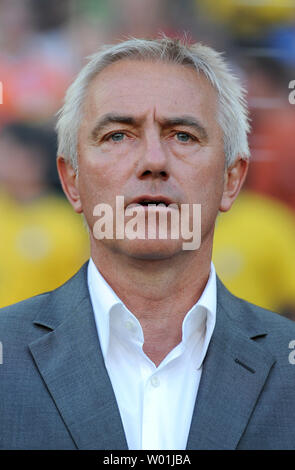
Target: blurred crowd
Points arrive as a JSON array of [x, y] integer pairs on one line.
[[44, 43]]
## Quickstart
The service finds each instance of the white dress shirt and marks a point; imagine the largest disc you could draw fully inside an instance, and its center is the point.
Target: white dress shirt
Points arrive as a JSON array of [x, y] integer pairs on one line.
[[155, 403]]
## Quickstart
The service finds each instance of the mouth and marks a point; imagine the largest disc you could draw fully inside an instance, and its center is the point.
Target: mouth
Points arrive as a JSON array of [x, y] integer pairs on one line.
[[145, 201]]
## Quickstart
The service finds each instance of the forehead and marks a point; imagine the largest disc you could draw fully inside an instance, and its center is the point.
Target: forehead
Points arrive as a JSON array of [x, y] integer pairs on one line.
[[137, 86], [128, 77]]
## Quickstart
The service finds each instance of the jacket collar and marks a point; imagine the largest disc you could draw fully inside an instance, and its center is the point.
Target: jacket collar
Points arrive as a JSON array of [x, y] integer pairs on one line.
[[234, 373], [70, 362]]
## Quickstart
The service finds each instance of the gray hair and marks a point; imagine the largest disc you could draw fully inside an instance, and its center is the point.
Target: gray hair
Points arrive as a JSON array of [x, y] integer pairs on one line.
[[232, 114]]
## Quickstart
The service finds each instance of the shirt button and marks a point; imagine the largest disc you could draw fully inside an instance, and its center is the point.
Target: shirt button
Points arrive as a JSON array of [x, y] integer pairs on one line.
[[129, 325], [155, 381]]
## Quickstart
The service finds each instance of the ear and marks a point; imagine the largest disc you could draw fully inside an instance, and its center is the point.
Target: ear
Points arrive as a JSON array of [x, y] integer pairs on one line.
[[234, 178], [69, 181]]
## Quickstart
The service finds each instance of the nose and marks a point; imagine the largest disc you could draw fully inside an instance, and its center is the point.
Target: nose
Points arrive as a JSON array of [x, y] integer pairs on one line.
[[153, 161]]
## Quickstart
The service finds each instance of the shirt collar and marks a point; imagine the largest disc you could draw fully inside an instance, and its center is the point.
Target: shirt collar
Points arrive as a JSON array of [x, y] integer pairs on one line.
[[105, 301], [201, 318]]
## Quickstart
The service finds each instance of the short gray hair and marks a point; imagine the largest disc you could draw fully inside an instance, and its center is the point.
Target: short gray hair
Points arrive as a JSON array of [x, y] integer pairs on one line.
[[232, 115]]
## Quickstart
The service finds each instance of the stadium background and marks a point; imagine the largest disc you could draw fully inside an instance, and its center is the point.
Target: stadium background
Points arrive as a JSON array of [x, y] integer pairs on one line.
[[43, 44]]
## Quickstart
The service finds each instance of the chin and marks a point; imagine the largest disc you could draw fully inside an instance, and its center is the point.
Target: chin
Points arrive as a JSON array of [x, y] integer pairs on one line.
[[150, 249]]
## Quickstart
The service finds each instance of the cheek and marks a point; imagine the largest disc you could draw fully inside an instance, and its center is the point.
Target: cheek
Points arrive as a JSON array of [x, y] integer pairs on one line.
[[204, 181], [92, 190], [100, 184]]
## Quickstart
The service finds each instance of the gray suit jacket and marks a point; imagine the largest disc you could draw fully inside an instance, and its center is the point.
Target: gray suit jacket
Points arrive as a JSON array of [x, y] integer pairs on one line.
[[56, 394]]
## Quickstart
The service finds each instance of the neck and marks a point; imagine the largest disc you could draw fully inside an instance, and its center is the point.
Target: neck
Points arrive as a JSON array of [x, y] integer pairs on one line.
[[158, 292]]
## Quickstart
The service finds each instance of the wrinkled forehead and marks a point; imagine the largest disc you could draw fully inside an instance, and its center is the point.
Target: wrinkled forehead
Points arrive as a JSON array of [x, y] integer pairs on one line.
[[163, 65], [138, 85]]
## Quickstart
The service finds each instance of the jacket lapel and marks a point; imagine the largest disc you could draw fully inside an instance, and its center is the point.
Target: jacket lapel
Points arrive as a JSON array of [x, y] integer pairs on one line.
[[234, 373], [71, 364]]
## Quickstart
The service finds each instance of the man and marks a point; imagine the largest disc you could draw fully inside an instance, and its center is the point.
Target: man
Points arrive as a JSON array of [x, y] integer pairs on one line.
[[144, 348]]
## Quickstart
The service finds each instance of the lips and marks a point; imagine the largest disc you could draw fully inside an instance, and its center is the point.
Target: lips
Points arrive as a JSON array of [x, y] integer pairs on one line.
[[146, 199]]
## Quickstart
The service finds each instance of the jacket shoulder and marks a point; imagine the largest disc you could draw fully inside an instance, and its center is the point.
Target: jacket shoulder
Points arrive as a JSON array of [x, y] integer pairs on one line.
[[16, 321], [50, 303], [269, 319], [267, 328]]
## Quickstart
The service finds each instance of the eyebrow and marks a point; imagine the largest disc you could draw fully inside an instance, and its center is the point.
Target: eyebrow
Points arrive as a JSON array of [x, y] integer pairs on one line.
[[187, 121], [111, 118]]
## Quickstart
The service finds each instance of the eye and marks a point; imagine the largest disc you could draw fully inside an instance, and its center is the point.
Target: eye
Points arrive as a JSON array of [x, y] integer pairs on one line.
[[183, 137], [116, 137]]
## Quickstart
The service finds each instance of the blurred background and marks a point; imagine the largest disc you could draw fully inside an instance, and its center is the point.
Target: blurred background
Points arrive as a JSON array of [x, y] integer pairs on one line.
[[43, 44]]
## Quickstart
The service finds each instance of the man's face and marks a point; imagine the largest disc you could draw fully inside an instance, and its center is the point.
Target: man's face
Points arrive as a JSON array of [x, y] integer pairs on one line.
[[150, 129]]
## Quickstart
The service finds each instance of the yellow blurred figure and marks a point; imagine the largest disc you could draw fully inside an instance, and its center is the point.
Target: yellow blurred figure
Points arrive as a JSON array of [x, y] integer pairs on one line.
[[247, 16], [42, 241], [41, 245], [254, 252]]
